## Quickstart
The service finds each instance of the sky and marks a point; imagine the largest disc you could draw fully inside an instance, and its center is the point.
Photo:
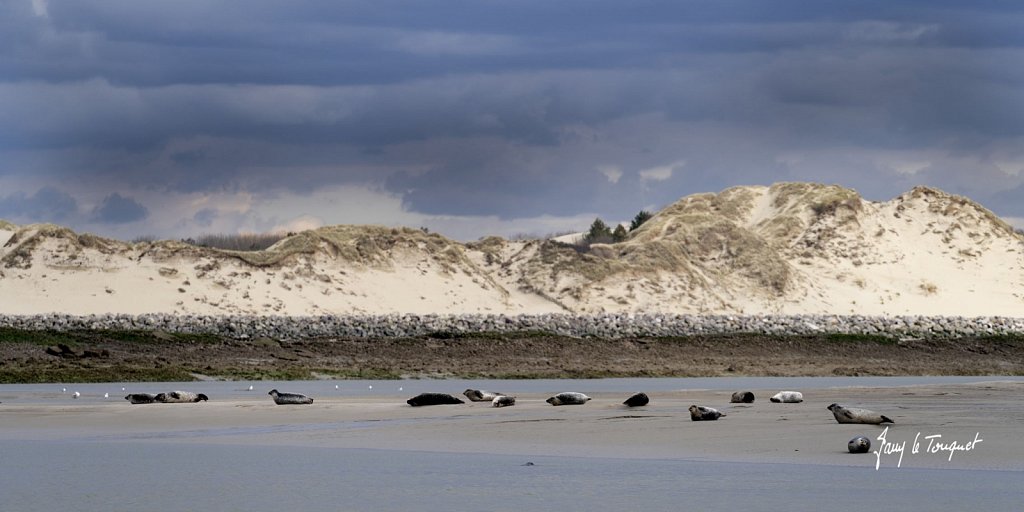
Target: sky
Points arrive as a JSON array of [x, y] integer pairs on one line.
[[174, 119]]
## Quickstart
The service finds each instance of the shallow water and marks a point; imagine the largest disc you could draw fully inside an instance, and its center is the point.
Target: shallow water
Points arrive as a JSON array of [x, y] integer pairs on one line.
[[102, 476]]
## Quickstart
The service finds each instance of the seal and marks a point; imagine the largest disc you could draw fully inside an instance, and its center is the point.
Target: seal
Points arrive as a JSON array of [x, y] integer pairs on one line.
[[701, 413], [180, 397], [140, 398], [742, 397], [289, 398], [503, 401], [568, 398], [433, 399], [859, 444], [857, 415], [479, 395], [637, 400], [788, 397]]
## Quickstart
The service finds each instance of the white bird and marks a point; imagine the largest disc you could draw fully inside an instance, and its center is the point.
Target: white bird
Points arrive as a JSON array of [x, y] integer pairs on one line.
[[371, 386], [335, 386], [250, 387], [106, 395], [63, 390], [122, 389], [399, 388], [76, 395]]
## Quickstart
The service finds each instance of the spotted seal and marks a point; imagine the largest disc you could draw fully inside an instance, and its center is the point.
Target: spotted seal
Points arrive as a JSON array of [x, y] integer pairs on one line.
[[742, 397], [433, 399], [857, 415], [568, 398], [788, 397], [701, 413], [479, 395], [180, 397], [859, 444], [637, 400], [503, 401], [289, 398], [141, 398]]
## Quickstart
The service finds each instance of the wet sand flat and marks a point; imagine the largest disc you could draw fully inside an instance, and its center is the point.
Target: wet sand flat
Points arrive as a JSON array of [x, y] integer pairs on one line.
[[763, 432]]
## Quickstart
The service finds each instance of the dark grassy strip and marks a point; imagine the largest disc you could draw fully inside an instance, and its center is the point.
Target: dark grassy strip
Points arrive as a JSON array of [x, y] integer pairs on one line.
[[115, 373], [75, 337], [106, 356], [308, 374]]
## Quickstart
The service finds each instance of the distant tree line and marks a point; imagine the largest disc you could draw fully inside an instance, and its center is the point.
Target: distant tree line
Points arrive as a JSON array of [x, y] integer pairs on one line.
[[601, 233]]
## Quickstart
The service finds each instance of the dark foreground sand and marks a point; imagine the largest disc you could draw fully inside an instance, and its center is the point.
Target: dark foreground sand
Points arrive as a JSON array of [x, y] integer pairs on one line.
[[802, 433]]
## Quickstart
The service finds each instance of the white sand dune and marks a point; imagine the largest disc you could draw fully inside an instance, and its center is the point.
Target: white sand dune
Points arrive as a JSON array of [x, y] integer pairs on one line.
[[788, 248]]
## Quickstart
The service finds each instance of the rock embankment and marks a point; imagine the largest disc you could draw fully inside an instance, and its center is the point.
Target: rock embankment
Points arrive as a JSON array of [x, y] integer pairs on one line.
[[598, 326]]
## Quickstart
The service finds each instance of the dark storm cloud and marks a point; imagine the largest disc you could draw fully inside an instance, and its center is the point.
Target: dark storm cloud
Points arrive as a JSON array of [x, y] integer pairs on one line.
[[117, 209], [45, 205], [508, 108]]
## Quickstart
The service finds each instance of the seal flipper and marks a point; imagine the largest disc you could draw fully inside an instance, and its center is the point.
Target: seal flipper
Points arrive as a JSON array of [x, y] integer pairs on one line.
[[885, 419]]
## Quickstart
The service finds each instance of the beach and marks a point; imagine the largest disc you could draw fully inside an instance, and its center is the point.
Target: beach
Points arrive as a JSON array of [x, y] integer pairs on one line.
[[981, 417], [757, 432]]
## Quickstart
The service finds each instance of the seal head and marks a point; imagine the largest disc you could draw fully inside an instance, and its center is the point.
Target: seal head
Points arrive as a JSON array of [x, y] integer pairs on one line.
[[859, 444]]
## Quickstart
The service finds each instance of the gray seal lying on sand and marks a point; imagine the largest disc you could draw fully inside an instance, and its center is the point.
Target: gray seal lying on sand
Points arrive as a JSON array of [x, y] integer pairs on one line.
[[289, 398], [788, 397], [568, 398], [701, 413], [479, 395], [856, 415], [503, 401], [859, 444], [742, 397], [180, 397], [637, 400], [433, 399], [141, 398]]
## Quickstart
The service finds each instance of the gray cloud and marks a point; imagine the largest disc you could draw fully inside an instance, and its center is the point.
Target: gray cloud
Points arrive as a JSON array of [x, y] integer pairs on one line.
[[47, 204], [205, 217], [509, 110], [117, 209]]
